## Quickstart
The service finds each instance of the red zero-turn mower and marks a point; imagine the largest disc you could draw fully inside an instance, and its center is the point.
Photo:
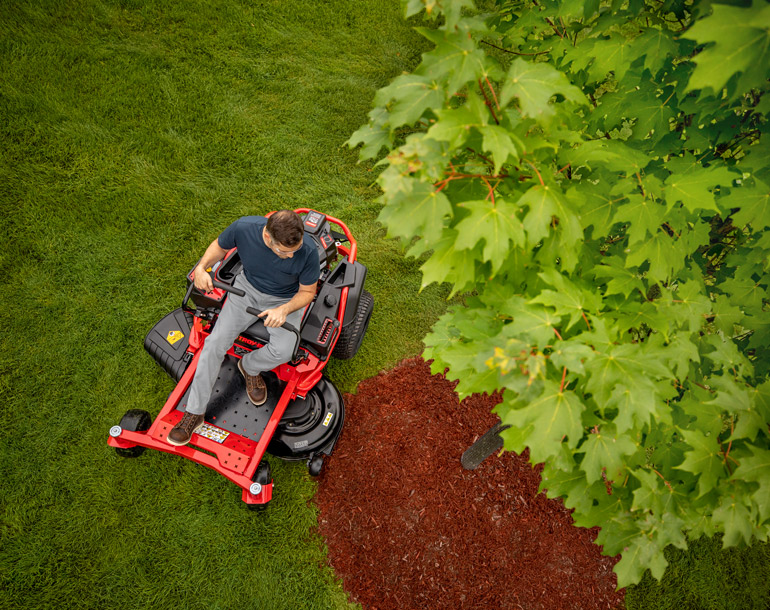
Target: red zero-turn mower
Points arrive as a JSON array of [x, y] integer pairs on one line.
[[304, 412]]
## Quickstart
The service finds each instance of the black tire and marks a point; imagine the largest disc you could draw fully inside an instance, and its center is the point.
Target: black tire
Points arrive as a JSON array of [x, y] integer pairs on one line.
[[263, 476], [135, 420], [314, 465], [352, 335]]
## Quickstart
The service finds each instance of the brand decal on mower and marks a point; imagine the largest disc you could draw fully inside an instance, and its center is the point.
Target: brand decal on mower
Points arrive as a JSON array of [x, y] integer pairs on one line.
[[328, 419], [300, 444], [174, 336], [215, 434]]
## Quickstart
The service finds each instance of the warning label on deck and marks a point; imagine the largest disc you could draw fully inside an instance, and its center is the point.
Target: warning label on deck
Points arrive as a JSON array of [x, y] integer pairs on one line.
[[174, 336], [215, 434]]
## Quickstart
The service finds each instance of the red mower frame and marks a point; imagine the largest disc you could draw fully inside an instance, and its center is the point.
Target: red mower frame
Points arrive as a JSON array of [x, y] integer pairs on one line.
[[238, 457]]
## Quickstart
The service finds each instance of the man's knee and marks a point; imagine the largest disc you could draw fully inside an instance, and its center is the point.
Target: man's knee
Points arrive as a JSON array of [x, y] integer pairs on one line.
[[281, 346]]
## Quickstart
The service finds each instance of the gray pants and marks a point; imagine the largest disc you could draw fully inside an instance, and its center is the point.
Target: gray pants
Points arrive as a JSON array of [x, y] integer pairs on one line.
[[233, 320]]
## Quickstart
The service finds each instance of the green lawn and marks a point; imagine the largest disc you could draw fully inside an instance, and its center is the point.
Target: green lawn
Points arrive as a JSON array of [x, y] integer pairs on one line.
[[132, 134]]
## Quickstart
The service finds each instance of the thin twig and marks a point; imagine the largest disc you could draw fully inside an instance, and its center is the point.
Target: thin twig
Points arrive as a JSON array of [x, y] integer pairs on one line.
[[514, 52]]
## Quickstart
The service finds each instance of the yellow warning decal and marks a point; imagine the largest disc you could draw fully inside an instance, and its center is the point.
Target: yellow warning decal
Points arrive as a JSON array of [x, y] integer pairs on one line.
[[328, 418], [174, 336]]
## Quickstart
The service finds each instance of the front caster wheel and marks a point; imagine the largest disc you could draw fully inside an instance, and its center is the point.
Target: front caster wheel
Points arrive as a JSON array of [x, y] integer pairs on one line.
[[314, 465], [263, 476], [135, 420]]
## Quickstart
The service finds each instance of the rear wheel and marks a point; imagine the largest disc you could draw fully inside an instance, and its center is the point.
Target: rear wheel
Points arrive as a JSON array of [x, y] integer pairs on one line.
[[135, 420], [352, 335]]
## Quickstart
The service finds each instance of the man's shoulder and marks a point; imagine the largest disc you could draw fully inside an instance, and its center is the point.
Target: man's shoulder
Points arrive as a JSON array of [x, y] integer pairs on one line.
[[251, 220]]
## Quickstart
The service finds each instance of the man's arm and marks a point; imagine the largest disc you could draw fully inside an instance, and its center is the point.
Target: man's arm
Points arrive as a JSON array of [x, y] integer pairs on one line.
[[201, 277], [277, 316]]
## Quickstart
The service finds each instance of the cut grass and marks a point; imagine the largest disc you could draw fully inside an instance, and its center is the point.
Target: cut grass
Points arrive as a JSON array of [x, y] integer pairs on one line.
[[132, 133]]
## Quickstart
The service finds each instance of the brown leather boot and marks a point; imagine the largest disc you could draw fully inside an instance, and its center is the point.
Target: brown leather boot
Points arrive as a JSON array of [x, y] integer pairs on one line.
[[255, 386], [183, 431]]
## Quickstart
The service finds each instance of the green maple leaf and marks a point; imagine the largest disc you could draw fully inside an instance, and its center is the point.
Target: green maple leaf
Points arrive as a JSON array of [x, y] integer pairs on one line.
[[501, 143], [693, 184], [637, 402], [726, 316], [374, 135], [651, 110], [735, 520], [706, 417], [596, 208], [456, 58], [572, 354], [495, 224], [533, 322], [725, 354], [692, 305], [623, 281], [746, 293], [741, 44], [619, 365], [643, 216], [657, 45], [553, 416], [641, 553], [448, 264], [569, 485], [756, 469], [534, 84], [613, 155], [454, 125], [413, 95], [649, 496], [760, 398], [754, 204], [568, 298], [544, 203], [418, 209], [704, 459], [664, 253], [633, 315], [605, 451], [614, 54], [680, 353]]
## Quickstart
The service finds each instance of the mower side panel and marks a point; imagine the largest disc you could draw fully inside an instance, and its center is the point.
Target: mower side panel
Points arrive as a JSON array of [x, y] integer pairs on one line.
[[355, 277]]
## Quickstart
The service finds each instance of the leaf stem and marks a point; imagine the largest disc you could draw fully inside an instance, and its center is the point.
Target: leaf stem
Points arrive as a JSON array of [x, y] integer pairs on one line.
[[492, 89], [664, 480], [641, 186], [488, 103], [537, 172], [563, 377]]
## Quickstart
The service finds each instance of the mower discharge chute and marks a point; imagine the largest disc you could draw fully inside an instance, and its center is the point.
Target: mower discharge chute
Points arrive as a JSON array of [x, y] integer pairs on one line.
[[304, 413]]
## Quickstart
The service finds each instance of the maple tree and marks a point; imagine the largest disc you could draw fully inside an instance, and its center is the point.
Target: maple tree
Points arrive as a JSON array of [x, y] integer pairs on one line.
[[593, 176]]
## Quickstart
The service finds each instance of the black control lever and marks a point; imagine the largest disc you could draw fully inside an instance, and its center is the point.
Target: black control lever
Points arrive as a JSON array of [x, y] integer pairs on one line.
[[286, 325]]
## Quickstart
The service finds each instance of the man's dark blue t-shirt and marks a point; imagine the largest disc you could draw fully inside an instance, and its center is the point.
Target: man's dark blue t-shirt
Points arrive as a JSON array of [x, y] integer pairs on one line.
[[264, 269]]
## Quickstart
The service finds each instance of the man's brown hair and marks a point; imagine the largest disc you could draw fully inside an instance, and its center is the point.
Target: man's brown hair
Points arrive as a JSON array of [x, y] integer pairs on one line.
[[285, 227]]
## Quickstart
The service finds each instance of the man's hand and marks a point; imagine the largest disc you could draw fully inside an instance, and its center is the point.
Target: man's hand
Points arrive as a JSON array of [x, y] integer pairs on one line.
[[274, 317], [202, 279]]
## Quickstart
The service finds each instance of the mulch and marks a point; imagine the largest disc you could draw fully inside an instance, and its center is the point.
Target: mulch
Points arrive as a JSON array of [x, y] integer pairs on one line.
[[407, 527]]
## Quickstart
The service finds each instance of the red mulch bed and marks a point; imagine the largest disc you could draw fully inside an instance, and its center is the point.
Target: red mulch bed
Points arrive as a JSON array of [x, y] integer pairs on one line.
[[407, 527]]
